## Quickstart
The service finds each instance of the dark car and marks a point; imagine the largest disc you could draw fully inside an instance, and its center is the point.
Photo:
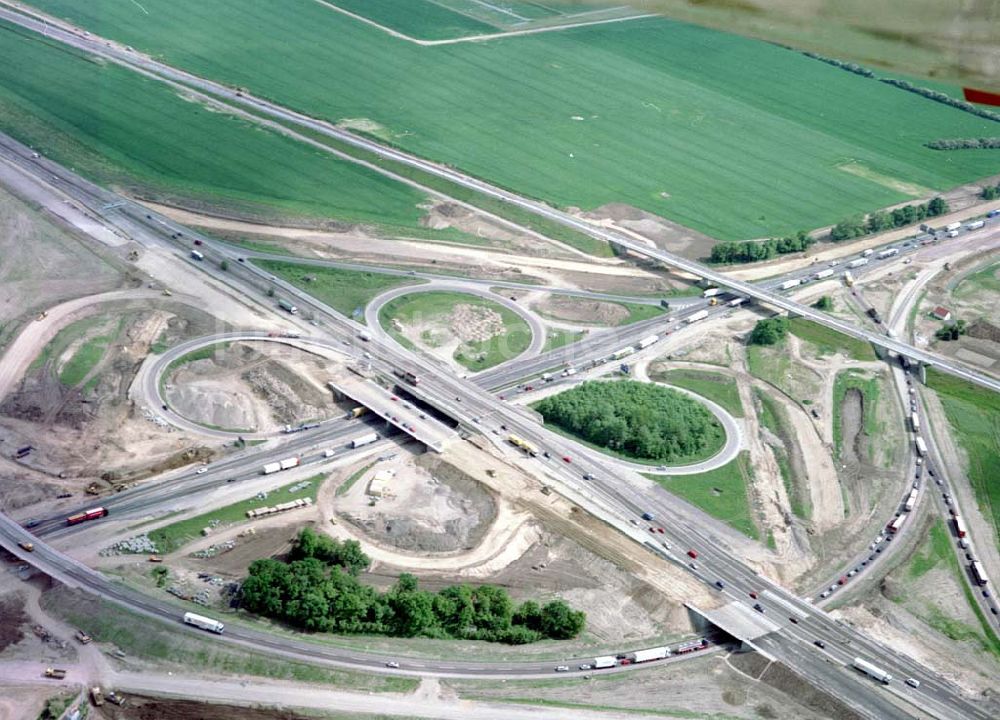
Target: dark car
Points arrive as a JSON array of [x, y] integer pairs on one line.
[[819, 643], [759, 608], [794, 620], [719, 584]]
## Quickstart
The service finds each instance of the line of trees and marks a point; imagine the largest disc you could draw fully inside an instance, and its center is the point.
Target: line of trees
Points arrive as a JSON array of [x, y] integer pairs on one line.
[[317, 589], [985, 143], [636, 419], [747, 251], [769, 331], [859, 225], [848, 66]]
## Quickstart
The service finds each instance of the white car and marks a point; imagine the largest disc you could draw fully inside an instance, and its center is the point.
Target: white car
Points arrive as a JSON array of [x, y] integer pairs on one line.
[[586, 667], [392, 664], [562, 668], [202, 470]]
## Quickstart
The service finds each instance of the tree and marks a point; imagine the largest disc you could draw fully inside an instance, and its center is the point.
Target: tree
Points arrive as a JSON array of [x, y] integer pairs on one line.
[[991, 192], [560, 621], [953, 331], [878, 221], [824, 303], [224, 265], [769, 331], [846, 229], [937, 206]]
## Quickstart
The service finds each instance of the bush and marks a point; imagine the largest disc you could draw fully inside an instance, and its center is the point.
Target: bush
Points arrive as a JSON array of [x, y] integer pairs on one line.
[[990, 192], [770, 331], [952, 332], [990, 143], [881, 220], [824, 303]]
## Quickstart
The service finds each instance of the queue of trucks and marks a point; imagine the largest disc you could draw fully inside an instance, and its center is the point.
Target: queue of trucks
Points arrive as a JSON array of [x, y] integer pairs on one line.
[[286, 464]]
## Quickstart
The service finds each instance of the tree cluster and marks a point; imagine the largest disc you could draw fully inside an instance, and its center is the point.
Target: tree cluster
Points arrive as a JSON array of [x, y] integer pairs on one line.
[[990, 192], [942, 98], [952, 332], [880, 220], [824, 303], [317, 590], [990, 143], [747, 251], [769, 331], [848, 66], [636, 419]]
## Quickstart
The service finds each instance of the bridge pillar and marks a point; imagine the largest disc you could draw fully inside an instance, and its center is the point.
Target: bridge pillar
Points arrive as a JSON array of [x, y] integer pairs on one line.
[[922, 373]]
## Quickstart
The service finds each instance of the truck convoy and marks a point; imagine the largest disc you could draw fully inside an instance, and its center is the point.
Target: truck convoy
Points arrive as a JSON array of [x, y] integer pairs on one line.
[[287, 307], [366, 439], [286, 464], [700, 315], [888, 252], [518, 441], [200, 621], [86, 515], [647, 341], [872, 671], [407, 376]]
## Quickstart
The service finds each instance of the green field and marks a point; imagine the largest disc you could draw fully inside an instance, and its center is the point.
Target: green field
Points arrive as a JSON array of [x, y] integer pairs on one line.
[[170, 537], [346, 291], [829, 341], [419, 19], [978, 283], [556, 338], [86, 357], [716, 387], [435, 307], [974, 416], [722, 492], [121, 129], [672, 118]]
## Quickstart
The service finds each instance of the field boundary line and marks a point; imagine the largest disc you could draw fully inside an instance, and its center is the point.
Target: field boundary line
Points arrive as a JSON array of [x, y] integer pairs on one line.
[[477, 38]]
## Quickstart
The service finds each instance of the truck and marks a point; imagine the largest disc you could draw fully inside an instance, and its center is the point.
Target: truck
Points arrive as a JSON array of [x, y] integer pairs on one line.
[[624, 352], [860, 262], [887, 253], [407, 376], [823, 274], [975, 225], [978, 574], [366, 439], [872, 671], [518, 441], [921, 446], [896, 524], [357, 412], [22, 451], [873, 314], [641, 656], [82, 637], [691, 646], [96, 696], [953, 233], [86, 515], [288, 307], [700, 315], [604, 661], [711, 292], [280, 465], [848, 278], [789, 284], [736, 302], [200, 621], [911, 500], [868, 253], [647, 341], [952, 226], [915, 421], [55, 673], [197, 255], [960, 528]]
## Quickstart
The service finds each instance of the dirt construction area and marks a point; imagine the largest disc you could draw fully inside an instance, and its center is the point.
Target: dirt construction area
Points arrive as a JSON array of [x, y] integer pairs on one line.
[[258, 387]]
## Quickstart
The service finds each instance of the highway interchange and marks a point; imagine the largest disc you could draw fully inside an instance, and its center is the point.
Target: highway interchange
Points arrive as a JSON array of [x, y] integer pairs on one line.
[[471, 401]]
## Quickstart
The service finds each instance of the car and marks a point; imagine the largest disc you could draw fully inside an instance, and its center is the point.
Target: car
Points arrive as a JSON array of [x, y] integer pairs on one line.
[[794, 620], [661, 531], [239, 259], [930, 472], [758, 607], [392, 664], [968, 556], [665, 544], [588, 476], [986, 593], [64, 495], [529, 388], [196, 242], [693, 566], [753, 594], [878, 550], [567, 459], [819, 643], [586, 667], [721, 585], [562, 668], [620, 656], [994, 610], [863, 563], [546, 454], [394, 398], [852, 573], [648, 516], [407, 405], [32, 522], [825, 594], [202, 470], [634, 521], [625, 661], [693, 554], [913, 682], [652, 530]]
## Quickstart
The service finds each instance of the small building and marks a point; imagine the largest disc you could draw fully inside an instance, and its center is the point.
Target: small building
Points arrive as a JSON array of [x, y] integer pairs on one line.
[[379, 485], [942, 313]]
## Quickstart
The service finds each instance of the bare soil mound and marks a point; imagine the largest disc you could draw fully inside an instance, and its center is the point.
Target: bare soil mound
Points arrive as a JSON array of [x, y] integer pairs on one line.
[[150, 708], [589, 312]]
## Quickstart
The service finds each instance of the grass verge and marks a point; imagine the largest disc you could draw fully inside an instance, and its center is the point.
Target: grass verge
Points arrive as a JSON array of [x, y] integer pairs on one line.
[[773, 417], [829, 341], [870, 390], [349, 482], [722, 492], [720, 389], [556, 338]]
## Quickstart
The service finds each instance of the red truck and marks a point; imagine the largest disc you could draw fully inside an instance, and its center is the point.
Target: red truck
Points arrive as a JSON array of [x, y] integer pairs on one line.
[[92, 514]]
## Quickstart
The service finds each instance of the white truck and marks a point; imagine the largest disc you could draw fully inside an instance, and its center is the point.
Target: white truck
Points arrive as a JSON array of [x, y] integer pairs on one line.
[[953, 226], [871, 670], [921, 446], [823, 274], [887, 253], [975, 225], [197, 255], [604, 661], [366, 439], [915, 422], [860, 262], [700, 315], [737, 302], [647, 341], [624, 352], [789, 284], [911, 500], [657, 653], [711, 292], [868, 253], [200, 621], [285, 464]]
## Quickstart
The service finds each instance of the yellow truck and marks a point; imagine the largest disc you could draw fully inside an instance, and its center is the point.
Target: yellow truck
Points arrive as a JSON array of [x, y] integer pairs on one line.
[[55, 673]]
